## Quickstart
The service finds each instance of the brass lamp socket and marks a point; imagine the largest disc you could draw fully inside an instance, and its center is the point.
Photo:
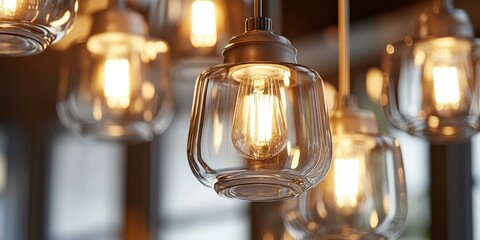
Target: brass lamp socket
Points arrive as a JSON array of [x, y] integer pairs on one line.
[[444, 22], [259, 44], [348, 118], [119, 19]]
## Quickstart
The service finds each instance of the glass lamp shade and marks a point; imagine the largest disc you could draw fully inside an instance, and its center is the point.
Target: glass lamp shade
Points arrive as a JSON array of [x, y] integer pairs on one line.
[[117, 84], [28, 27], [259, 131], [363, 195], [431, 85], [431, 88], [259, 127]]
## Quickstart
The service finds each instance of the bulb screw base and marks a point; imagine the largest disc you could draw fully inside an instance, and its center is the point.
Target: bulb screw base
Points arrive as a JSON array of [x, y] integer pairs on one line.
[[348, 118]]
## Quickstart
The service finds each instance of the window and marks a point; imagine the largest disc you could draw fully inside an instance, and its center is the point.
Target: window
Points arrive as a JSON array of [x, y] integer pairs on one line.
[[86, 188]]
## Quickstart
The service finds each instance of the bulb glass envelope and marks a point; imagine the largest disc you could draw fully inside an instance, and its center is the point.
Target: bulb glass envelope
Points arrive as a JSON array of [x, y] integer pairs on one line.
[[28, 27], [363, 195], [116, 85]]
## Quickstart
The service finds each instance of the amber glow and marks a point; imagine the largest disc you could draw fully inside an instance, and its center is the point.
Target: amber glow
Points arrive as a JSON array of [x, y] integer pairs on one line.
[[446, 70], [117, 83], [347, 182], [347, 176], [446, 88], [204, 24], [8, 7], [258, 111], [259, 129]]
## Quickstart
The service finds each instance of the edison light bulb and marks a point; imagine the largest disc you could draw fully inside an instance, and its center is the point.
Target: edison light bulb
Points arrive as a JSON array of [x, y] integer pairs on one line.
[[116, 86], [8, 7], [259, 130], [348, 173], [445, 74], [204, 24], [346, 181]]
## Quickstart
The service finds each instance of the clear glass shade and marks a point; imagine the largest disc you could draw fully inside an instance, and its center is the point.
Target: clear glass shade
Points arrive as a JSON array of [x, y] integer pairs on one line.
[[362, 197], [259, 131], [116, 90], [431, 88], [28, 26]]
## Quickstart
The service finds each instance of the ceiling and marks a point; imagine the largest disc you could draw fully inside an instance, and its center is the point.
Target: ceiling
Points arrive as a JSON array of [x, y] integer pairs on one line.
[[306, 17], [29, 84]]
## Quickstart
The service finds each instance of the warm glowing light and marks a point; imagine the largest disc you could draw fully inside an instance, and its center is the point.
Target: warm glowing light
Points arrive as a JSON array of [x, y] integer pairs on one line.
[[390, 49], [374, 84], [204, 24], [148, 90], [373, 219], [116, 87], [259, 130], [8, 7], [446, 88], [330, 96], [259, 112], [446, 74], [347, 174]]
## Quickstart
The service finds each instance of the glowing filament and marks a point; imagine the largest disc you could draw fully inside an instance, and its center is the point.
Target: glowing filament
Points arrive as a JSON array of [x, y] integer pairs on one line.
[[259, 111], [347, 174], [259, 130], [446, 88], [204, 24], [117, 83], [8, 7]]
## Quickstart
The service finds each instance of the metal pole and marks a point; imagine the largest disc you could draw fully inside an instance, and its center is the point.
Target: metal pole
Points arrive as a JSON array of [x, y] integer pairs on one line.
[[451, 186], [343, 51], [257, 8]]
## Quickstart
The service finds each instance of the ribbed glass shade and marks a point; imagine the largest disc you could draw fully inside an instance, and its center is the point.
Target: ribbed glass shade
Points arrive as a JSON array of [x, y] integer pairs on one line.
[[28, 27], [259, 131], [362, 197], [431, 88], [118, 93]]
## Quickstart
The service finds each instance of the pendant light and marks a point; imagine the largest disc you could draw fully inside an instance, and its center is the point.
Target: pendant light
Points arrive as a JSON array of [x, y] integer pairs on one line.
[[259, 126], [431, 88], [28, 27], [116, 84], [363, 195], [199, 28]]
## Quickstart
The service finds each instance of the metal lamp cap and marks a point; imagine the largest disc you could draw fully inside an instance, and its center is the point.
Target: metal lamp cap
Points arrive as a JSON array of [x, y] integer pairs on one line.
[[259, 44], [122, 20], [447, 22], [348, 118]]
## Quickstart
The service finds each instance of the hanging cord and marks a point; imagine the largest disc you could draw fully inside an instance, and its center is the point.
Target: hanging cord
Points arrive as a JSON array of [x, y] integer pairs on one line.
[[257, 8], [344, 51]]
